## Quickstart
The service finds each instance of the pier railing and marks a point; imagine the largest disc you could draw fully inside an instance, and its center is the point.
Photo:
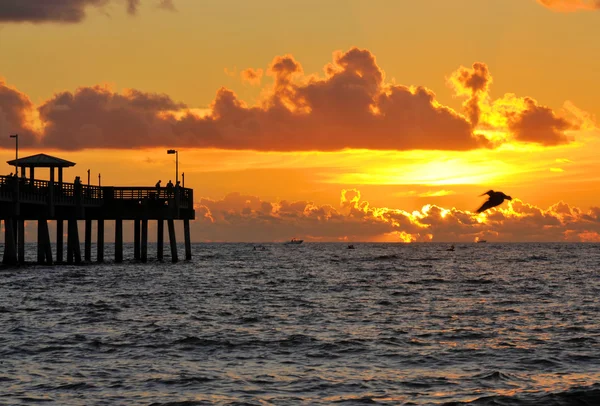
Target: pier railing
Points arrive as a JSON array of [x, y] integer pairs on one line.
[[66, 194]]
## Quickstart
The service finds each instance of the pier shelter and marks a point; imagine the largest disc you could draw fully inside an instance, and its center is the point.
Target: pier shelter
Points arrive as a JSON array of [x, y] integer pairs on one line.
[[28, 199]]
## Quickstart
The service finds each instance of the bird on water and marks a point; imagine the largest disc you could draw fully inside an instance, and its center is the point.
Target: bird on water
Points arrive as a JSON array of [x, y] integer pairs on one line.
[[495, 199]]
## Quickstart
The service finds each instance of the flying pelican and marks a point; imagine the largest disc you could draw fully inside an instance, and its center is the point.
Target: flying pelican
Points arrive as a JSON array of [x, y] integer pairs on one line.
[[495, 199]]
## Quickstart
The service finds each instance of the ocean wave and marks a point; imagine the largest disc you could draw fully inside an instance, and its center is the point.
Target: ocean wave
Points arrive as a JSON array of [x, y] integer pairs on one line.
[[584, 396]]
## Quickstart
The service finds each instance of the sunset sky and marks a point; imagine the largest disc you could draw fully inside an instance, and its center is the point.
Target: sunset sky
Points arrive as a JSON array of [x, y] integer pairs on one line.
[[350, 120]]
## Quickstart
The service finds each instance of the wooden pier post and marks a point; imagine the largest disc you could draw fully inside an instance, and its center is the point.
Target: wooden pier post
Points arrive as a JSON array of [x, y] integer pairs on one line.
[[160, 235], [136, 239], [59, 240], [144, 256], [21, 237], [100, 241], [188, 243], [73, 248], [44, 248], [172, 241], [88, 241], [10, 248], [47, 243], [119, 240], [41, 254]]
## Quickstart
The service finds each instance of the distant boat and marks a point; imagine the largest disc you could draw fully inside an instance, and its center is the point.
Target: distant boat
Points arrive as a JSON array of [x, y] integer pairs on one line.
[[480, 241], [350, 247], [294, 241]]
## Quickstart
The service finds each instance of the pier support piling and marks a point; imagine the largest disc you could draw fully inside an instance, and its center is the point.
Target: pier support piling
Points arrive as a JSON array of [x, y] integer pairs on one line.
[[136, 239], [21, 237], [73, 248], [188, 243], [88, 241], [100, 241], [172, 241], [44, 249], [144, 253], [119, 240], [59, 240], [160, 234], [10, 248]]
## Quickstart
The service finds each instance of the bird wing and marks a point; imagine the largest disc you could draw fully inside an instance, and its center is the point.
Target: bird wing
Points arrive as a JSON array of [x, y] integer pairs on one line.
[[485, 206]]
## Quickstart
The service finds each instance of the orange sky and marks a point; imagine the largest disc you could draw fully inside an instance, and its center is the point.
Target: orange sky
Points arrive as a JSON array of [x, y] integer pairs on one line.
[[378, 121]]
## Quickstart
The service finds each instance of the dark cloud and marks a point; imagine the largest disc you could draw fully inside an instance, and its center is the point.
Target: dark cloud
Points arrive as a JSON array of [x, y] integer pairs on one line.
[[539, 124], [60, 11], [351, 107], [252, 76], [97, 116]]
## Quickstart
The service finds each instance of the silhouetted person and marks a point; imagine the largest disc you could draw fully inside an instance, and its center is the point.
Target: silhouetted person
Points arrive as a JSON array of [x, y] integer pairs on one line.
[[158, 189], [495, 199], [169, 188]]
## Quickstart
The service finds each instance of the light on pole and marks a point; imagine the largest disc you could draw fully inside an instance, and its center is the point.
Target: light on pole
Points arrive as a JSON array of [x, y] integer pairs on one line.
[[173, 151]]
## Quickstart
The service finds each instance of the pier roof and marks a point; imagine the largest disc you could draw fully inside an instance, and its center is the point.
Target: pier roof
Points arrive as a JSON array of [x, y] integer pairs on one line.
[[41, 161]]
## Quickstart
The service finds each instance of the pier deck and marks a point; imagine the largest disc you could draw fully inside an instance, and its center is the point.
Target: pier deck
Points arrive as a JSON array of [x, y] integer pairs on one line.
[[25, 199]]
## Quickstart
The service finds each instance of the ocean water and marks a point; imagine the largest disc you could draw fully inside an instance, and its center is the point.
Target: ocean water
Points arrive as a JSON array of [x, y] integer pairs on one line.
[[394, 324]]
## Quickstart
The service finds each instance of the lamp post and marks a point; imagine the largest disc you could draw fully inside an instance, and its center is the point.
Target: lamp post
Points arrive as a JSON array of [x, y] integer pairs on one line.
[[16, 137], [173, 151], [17, 208]]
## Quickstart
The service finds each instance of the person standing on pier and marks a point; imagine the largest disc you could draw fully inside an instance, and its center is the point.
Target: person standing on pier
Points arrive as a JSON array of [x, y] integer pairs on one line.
[[158, 189], [169, 189]]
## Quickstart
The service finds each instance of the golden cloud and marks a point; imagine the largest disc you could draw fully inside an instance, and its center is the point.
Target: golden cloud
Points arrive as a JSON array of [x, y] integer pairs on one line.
[[571, 5], [248, 218]]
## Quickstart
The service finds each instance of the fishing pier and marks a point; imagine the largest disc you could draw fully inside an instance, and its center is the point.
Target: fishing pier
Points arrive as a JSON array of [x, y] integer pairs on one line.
[[25, 198]]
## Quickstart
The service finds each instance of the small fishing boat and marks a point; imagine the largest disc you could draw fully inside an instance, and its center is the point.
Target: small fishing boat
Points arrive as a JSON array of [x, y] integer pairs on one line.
[[294, 241]]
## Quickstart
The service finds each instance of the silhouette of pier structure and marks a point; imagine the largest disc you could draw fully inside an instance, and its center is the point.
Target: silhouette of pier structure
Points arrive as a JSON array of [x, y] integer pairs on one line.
[[28, 199]]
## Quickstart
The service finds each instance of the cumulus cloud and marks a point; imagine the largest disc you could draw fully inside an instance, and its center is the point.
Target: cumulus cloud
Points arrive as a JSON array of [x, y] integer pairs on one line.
[[351, 106], [63, 11], [521, 119], [16, 110], [248, 218], [571, 5], [252, 76], [95, 116], [474, 83]]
